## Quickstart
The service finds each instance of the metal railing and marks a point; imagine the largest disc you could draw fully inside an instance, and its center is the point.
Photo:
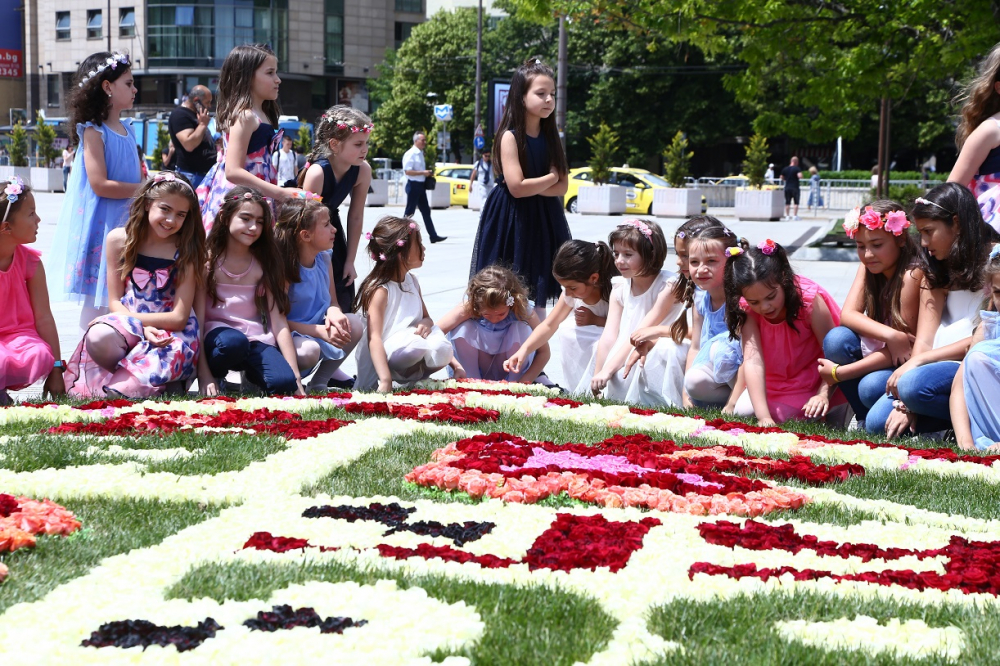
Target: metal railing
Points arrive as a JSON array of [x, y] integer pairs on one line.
[[837, 194]]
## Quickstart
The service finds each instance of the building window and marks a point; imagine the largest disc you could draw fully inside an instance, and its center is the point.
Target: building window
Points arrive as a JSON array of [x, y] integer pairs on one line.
[[410, 6], [52, 89], [62, 25], [403, 31], [126, 22], [95, 21], [333, 38]]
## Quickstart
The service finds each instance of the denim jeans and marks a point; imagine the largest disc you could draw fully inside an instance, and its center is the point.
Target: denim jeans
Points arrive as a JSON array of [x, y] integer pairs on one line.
[[843, 346], [926, 392], [229, 349], [416, 198], [194, 178]]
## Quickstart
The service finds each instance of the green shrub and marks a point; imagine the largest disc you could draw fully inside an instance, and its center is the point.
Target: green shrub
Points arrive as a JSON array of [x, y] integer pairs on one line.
[[303, 142], [603, 147], [677, 161], [45, 135], [162, 141], [18, 146], [756, 161]]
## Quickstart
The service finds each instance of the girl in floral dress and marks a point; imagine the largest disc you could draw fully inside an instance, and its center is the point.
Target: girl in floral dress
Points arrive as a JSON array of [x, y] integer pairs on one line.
[[247, 116], [150, 339]]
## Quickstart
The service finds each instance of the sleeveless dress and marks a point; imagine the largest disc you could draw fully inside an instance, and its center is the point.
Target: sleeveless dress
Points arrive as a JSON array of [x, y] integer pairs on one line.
[[153, 367], [212, 191], [77, 268], [661, 380], [523, 234], [985, 186], [333, 195], [721, 356], [404, 349], [578, 346], [24, 356], [495, 343], [310, 299], [981, 381]]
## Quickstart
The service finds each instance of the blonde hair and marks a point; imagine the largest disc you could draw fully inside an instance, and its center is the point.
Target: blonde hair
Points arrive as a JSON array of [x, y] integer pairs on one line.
[[496, 287], [979, 99]]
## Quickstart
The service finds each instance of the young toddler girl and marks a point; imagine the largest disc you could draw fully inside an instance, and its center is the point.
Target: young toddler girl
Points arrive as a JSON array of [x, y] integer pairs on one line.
[[492, 323], [322, 333], [402, 343], [150, 339], [29, 342]]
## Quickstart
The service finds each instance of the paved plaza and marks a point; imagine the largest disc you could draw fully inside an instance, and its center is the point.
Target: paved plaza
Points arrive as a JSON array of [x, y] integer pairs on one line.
[[446, 268]]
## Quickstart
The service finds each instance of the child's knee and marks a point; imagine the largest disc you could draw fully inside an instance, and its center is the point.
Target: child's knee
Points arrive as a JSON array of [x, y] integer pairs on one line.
[[105, 345], [841, 345], [307, 353]]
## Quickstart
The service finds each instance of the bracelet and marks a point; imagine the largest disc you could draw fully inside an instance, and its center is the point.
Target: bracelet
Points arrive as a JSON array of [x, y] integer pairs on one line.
[[60, 366], [834, 373], [900, 406]]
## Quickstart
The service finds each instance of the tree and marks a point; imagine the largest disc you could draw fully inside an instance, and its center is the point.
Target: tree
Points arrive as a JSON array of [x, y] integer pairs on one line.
[[755, 164], [430, 149], [303, 141], [676, 160], [18, 146], [45, 136], [603, 147], [162, 141]]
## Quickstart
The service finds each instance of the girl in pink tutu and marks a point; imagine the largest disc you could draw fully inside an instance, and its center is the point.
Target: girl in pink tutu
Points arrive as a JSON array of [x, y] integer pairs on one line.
[[29, 342], [150, 340]]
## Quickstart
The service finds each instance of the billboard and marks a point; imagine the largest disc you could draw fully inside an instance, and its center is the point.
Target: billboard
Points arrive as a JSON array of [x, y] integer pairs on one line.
[[353, 93], [497, 103], [11, 47]]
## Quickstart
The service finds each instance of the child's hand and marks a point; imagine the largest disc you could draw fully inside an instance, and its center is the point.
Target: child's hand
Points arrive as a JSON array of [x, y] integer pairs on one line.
[[900, 346], [644, 335], [337, 328], [156, 337], [968, 444], [826, 367], [514, 363], [208, 386], [899, 423], [458, 372], [635, 356], [54, 384], [299, 390], [766, 422], [686, 401], [586, 317], [293, 193], [599, 381], [891, 384], [423, 329], [817, 406], [385, 386]]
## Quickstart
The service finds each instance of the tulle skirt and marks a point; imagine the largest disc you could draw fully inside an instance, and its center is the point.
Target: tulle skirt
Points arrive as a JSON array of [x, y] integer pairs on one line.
[[578, 354]]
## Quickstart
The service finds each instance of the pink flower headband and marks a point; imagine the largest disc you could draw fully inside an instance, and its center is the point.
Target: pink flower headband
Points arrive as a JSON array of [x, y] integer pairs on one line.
[[641, 226], [399, 243], [111, 62], [169, 177], [14, 189], [895, 222]]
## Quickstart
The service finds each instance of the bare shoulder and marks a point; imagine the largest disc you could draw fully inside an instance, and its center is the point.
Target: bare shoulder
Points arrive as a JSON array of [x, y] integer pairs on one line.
[[116, 238]]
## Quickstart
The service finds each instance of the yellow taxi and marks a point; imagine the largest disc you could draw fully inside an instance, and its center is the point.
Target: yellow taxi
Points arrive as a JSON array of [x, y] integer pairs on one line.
[[457, 177], [640, 184]]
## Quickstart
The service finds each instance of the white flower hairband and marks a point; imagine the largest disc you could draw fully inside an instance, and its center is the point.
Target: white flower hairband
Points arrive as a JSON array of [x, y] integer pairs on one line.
[[14, 189], [111, 62]]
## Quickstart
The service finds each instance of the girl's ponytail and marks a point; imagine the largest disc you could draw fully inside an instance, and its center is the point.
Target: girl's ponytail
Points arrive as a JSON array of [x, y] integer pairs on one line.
[[606, 268], [738, 263], [577, 260]]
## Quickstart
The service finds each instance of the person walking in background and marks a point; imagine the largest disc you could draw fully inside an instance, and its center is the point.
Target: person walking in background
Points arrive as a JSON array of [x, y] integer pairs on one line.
[[194, 151], [416, 185], [482, 175], [769, 174], [68, 155], [285, 162], [815, 194], [790, 177]]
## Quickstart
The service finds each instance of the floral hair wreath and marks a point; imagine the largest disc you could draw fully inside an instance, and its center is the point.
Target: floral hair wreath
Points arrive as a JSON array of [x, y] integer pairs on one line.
[[366, 128], [641, 226], [399, 243], [895, 222], [111, 62], [14, 189]]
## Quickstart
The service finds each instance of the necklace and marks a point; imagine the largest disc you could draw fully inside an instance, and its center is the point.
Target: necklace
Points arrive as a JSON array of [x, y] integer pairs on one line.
[[235, 276]]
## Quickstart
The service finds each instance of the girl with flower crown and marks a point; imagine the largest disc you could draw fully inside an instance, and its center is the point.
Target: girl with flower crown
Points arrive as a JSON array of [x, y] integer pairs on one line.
[[781, 319], [879, 320], [105, 176], [493, 322], [402, 343]]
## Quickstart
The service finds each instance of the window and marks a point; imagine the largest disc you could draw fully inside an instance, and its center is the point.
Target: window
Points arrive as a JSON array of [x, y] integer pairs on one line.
[[52, 89], [126, 22], [403, 31], [333, 39], [95, 22], [410, 6], [184, 15], [62, 25]]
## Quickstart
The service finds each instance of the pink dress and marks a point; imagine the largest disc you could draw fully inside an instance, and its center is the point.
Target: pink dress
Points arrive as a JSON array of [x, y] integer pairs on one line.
[[24, 356], [790, 369]]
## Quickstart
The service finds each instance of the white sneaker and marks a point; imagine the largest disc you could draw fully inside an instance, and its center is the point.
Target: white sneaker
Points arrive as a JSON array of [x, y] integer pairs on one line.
[[796, 218]]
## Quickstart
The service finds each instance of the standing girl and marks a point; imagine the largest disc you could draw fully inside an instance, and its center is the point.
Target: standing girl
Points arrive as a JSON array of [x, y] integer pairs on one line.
[[584, 270], [781, 319], [29, 342], [956, 246], [402, 343], [322, 333], [493, 323], [974, 413], [247, 115], [522, 224], [640, 250], [105, 176], [245, 306], [339, 169], [150, 339], [879, 321]]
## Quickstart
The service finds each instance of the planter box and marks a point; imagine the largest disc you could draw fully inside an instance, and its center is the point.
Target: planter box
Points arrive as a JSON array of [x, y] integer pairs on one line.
[[601, 199], [760, 204], [46, 180], [440, 196], [378, 195], [6, 172], [676, 202]]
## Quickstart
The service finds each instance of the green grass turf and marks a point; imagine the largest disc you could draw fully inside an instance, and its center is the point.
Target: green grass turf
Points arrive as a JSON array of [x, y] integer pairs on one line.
[[524, 625]]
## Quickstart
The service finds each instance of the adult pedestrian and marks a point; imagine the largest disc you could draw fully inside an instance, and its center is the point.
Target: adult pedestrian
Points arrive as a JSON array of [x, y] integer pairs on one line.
[[416, 190], [769, 174], [481, 177], [194, 152], [790, 177], [68, 155], [285, 160]]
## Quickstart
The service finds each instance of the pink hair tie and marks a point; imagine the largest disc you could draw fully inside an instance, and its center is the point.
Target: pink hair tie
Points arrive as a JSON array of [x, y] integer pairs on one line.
[[368, 235], [401, 242], [413, 225], [767, 247]]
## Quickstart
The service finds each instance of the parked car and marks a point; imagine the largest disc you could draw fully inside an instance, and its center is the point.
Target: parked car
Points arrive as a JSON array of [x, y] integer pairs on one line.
[[640, 184], [457, 177]]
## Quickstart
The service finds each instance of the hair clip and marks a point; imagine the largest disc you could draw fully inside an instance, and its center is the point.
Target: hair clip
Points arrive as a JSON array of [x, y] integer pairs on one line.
[[641, 226], [14, 189], [734, 251], [413, 225], [767, 247], [368, 235], [681, 235], [401, 242], [381, 256], [727, 232], [510, 301], [928, 202], [995, 252], [538, 61]]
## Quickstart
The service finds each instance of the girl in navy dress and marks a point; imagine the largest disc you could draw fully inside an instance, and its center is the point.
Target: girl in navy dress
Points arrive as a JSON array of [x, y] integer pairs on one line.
[[523, 224]]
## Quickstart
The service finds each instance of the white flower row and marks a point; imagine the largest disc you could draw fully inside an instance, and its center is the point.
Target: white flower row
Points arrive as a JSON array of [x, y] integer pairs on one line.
[[912, 638]]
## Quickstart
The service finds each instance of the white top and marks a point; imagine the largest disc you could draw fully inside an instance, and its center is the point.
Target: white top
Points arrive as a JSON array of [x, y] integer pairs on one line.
[[286, 165], [635, 308], [959, 317], [404, 307], [413, 160], [600, 308]]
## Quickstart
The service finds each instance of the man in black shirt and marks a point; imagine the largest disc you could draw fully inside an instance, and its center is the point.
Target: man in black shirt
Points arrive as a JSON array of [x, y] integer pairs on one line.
[[790, 176], [194, 150]]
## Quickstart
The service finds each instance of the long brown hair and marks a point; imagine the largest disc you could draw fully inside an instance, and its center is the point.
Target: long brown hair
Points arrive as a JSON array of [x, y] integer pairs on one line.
[[190, 239], [264, 250], [979, 99], [294, 216], [495, 287], [236, 86], [704, 228], [577, 260], [882, 297], [388, 245], [513, 119]]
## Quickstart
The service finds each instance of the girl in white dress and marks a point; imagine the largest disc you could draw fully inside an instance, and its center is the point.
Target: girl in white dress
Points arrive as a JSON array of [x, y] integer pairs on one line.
[[402, 344], [640, 250], [584, 270]]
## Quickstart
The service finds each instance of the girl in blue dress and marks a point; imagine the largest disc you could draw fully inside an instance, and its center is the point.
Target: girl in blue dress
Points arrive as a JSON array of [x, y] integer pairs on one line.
[[322, 333], [105, 175], [247, 115], [490, 326], [523, 224]]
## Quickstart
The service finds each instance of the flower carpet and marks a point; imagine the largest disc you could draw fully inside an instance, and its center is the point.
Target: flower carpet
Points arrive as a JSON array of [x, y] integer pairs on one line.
[[482, 523]]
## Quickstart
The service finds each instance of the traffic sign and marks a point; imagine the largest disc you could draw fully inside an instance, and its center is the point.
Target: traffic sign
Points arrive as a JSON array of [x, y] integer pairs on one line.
[[479, 142], [479, 130], [443, 112]]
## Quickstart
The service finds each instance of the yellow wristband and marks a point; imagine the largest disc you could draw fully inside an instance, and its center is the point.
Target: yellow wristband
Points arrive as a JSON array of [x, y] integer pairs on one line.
[[834, 373]]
